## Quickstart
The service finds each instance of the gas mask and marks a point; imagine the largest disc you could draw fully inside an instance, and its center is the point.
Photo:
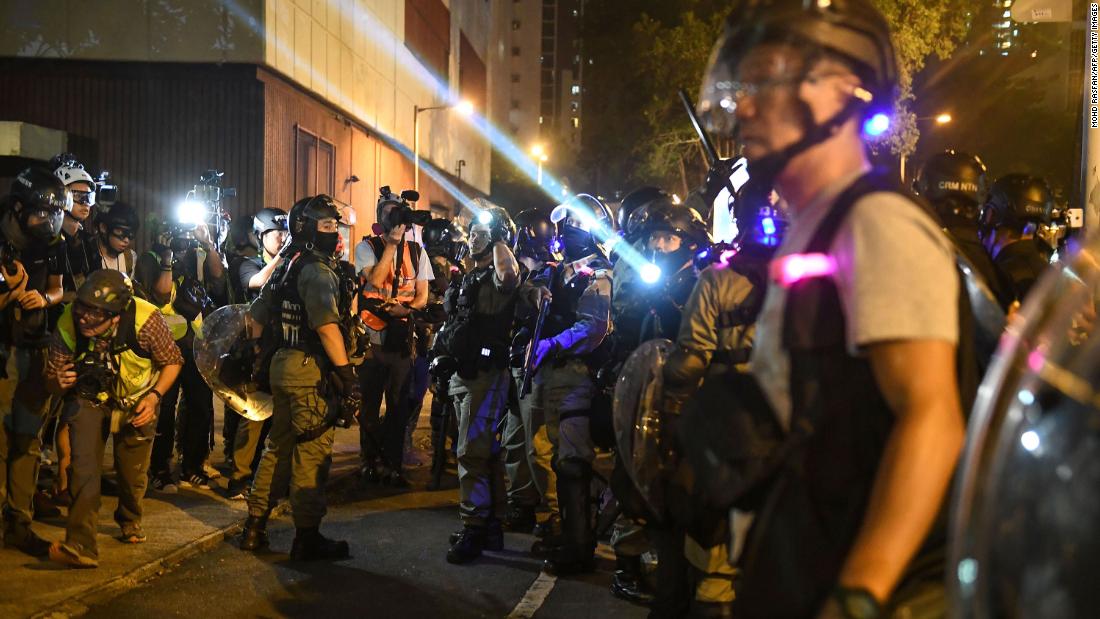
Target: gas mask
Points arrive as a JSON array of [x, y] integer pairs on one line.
[[576, 242], [327, 243], [47, 228]]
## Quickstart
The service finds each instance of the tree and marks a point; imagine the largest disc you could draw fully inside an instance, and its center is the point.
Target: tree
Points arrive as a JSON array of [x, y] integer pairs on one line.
[[637, 132]]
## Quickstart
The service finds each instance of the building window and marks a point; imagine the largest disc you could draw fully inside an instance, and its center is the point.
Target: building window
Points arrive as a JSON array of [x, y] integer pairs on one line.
[[576, 122], [314, 165], [428, 34], [515, 78], [573, 106], [515, 51], [515, 104], [515, 24], [576, 89]]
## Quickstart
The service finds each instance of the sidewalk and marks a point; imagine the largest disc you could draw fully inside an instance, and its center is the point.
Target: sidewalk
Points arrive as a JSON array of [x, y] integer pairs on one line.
[[178, 526]]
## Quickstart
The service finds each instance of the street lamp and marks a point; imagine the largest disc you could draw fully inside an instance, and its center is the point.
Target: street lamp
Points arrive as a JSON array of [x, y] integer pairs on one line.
[[464, 107], [942, 118], [538, 151]]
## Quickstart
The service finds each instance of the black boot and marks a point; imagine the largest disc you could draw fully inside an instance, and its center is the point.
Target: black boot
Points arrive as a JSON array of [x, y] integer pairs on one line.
[[550, 527], [520, 519], [254, 534], [310, 545], [577, 553], [629, 582], [468, 546], [494, 536]]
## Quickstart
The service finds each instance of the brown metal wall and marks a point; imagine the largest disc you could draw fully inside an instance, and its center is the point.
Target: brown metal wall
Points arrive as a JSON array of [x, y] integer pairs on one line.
[[155, 126]]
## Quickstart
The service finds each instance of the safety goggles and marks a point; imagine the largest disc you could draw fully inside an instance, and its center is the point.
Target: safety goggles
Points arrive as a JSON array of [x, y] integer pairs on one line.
[[87, 198], [122, 234], [90, 316]]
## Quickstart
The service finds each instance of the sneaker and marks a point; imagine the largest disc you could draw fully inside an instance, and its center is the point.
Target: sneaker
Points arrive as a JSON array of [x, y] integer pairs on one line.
[[132, 533], [211, 472], [163, 482], [198, 481], [67, 555], [237, 489]]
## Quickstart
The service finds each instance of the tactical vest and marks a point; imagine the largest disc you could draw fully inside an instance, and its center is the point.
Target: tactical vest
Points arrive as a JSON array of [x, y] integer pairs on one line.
[[567, 295], [839, 426], [136, 374], [291, 328], [475, 337]]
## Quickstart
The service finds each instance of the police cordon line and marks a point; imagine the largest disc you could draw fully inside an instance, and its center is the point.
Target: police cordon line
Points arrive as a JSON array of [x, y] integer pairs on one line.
[[783, 409]]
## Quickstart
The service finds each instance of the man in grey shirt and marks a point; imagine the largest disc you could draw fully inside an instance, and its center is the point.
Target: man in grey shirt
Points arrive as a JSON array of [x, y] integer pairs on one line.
[[856, 344]]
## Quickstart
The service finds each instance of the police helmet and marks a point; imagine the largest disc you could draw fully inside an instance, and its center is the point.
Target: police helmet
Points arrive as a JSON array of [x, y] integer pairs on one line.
[[304, 215], [954, 182], [106, 289], [633, 201], [439, 236], [500, 224], [241, 234], [592, 214], [681, 221], [534, 235], [268, 220], [853, 30], [1016, 200]]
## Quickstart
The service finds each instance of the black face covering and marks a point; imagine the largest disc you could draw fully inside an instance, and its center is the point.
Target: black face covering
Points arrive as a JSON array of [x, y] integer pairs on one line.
[[670, 262], [326, 242], [45, 230], [576, 242]]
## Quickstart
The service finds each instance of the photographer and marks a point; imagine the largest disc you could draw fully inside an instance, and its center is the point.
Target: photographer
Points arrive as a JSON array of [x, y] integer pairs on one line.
[[247, 275], [112, 353], [117, 232], [31, 264], [182, 300], [81, 245], [397, 273]]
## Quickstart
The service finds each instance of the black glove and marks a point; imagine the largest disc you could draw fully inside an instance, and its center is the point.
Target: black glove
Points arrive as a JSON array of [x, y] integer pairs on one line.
[[346, 383]]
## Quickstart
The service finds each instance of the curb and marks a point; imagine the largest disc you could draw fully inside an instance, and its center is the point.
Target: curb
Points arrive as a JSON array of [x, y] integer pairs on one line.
[[79, 603]]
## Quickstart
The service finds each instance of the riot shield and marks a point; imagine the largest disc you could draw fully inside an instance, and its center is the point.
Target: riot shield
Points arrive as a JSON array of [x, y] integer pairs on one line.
[[224, 357], [637, 419], [1024, 538]]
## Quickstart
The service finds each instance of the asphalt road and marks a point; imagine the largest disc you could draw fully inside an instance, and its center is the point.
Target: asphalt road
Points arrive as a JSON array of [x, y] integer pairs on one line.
[[397, 569]]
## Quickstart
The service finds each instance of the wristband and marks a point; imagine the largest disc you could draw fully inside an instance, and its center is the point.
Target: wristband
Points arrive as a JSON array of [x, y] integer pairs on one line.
[[857, 603], [156, 393]]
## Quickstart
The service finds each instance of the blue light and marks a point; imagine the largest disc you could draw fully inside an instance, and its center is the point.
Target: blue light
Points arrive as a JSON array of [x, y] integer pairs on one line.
[[485, 217], [768, 225], [703, 254], [650, 273], [876, 125]]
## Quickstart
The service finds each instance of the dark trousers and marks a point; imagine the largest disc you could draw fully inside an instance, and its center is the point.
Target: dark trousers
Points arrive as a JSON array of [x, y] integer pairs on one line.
[[196, 419], [418, 388], [384, 374], [229, 433]]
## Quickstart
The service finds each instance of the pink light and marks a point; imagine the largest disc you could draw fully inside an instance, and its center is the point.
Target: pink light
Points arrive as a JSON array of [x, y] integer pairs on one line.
[[586, 271], [1035, 360], [725, 257], [794, 268]]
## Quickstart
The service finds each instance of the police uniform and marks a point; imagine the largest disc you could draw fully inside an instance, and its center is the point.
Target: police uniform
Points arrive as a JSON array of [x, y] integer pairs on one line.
[[307, 297], [480, 387], [1021, 263], [562, 390]]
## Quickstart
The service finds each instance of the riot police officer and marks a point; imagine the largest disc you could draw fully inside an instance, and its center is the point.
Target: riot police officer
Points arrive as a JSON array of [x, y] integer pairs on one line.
[[529, 477], [570, 348], [856, 345], [955, 184], [247, 275], [31, 262], [477, 334], [311, 380], [1016, 206]]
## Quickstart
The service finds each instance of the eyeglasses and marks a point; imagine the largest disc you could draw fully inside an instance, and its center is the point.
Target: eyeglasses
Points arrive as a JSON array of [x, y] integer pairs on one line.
[[91, 316], [123, 234], [87, 198]]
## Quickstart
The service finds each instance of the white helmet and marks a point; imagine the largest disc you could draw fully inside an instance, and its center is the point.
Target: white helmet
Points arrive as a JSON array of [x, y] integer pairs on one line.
[[70, 174]]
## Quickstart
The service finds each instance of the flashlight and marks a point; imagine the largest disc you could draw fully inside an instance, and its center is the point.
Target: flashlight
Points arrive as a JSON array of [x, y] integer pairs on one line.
[[876, 125], [191, 212], [485, 217], [650, 273]]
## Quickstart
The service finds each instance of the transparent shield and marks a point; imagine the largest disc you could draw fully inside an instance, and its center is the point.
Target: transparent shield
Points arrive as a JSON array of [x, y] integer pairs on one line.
[[637, 419], [222, 359], [1024, 536]]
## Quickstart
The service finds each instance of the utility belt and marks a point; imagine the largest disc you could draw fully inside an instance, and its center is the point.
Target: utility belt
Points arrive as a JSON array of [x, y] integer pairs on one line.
[[486, 359], [732, 357]]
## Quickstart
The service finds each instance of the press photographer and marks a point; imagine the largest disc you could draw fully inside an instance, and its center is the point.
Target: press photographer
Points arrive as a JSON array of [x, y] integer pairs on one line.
[[113, 354], [396, 273]]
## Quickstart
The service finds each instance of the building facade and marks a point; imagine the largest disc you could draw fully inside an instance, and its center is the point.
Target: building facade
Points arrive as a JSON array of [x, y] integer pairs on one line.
[[288, 97]]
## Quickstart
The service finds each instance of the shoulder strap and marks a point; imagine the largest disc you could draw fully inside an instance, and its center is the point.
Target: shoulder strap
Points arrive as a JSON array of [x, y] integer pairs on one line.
[[871, 182], [127, 335], [377, 245]]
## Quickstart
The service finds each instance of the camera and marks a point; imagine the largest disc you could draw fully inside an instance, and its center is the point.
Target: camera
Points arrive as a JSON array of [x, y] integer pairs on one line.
[[201, 207], [93, 377], [106, 192], [401, 214]]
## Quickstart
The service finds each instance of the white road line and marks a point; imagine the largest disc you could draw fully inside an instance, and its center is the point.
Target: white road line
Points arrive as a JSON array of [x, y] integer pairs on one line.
[[534, 598]]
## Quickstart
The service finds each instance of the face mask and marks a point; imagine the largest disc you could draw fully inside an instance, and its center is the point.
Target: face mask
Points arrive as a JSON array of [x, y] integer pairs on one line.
[[326, 242], [575, 242], [48, 229]]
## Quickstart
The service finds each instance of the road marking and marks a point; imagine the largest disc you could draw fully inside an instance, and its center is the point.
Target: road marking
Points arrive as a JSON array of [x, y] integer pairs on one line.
[[534, 598]]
